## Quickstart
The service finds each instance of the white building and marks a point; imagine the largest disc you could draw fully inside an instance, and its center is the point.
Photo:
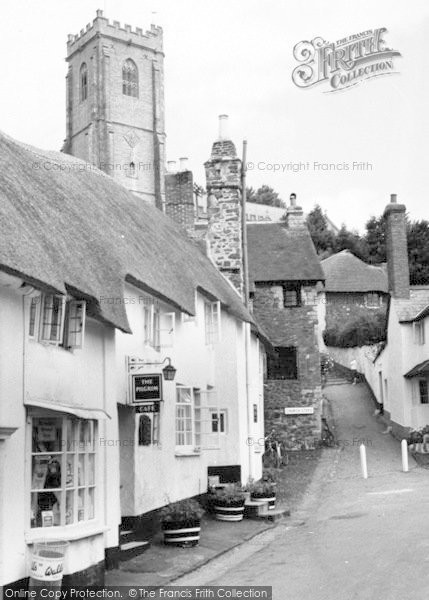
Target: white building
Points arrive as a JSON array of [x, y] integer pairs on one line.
[[399, 373], [95, 284]]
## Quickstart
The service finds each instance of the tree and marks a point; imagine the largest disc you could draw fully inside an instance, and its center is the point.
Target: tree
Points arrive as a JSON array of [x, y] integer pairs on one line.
[[351, 240], [264, 195], [375, 239], [418, 252], [323, 238]]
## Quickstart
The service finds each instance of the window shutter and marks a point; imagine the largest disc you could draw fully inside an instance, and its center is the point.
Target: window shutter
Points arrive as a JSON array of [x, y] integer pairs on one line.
[[75, 324], [208, 405], [167, 329]]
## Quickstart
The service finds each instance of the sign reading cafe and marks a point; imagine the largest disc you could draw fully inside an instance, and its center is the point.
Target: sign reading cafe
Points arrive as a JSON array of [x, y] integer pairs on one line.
[[344, 63]]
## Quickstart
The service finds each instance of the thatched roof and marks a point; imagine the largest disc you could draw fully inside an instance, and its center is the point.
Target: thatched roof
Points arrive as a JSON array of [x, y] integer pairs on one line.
[[66, 225], [345, 272], [277, 253]]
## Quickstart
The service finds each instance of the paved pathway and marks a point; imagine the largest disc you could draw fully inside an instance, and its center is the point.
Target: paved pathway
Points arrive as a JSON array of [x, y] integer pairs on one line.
[[352, 539]]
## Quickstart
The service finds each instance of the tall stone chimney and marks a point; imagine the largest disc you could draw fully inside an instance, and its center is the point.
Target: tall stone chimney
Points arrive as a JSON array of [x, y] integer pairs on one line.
[[224, 206], [179, 195], [398, 269], [294, 214]]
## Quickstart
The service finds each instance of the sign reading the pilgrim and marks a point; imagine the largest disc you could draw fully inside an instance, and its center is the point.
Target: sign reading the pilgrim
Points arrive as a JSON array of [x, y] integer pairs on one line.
[[146, 389]]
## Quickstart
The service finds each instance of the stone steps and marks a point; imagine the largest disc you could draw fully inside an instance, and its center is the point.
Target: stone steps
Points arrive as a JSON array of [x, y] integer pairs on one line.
[[130, 546]]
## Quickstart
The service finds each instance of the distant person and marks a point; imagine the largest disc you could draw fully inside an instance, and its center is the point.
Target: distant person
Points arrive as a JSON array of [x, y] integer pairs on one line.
[[353, 367]]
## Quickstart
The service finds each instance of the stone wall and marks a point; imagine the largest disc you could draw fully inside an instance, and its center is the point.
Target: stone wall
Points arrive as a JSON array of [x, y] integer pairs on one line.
[[296, 326], [224, 234], [121, 135]]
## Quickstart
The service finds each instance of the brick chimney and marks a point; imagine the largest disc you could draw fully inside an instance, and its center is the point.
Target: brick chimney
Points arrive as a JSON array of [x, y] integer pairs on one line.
[[223, 176], [398, 270], [179, 195], [294, 214]]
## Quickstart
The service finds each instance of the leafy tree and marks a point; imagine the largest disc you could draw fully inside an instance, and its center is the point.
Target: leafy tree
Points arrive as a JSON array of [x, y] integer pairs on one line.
[[351, 240], [375, 239], [323, 238], [418, 252], [264, 195]]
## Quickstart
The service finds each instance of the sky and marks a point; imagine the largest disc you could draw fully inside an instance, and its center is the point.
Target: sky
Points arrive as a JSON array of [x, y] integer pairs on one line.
[[235, 57]]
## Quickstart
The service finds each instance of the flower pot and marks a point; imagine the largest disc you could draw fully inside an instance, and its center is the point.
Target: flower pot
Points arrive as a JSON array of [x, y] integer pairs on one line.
[[270, 498], [182, 533], [231, 511]]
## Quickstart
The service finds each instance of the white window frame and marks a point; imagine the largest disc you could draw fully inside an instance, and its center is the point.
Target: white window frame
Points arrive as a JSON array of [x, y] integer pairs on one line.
[[47, 311], [419, 334], [151, 325], [190, 447], [212, 316], [75, 452], [167, 329], [69, 336], [419, 391], [221, 421], [372, 305], [74, 331]]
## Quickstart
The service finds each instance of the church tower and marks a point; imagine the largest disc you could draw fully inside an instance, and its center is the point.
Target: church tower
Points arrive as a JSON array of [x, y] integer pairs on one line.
[[115, 104]]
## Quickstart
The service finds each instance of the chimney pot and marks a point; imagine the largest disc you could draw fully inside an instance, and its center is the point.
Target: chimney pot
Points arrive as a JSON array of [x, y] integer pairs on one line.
[[183, 164], [292, 199], [171, 166], [99, 13], [393, 198], [223, 127]]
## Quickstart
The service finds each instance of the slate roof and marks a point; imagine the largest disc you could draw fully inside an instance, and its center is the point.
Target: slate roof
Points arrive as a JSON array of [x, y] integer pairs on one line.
[[416, 307], [277, 253], [66, 225], [345, 272]]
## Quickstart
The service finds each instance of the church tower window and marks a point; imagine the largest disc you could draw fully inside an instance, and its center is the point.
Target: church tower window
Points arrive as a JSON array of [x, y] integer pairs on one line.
[[130, 79], [83, 82]]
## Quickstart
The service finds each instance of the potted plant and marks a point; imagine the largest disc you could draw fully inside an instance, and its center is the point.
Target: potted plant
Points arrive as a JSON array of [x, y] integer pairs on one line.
[[181, 523], [266, 491], [228, 503]]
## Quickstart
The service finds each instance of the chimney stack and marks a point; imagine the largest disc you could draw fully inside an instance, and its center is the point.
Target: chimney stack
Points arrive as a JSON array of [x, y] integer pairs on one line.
[[183, 164], [398, 269], [179, 194], [223, 177], [294, 214], [223, 127]]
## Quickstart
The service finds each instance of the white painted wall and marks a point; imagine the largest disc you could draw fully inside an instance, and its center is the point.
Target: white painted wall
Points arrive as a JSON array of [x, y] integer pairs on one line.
[[32, 371], [162, 476]]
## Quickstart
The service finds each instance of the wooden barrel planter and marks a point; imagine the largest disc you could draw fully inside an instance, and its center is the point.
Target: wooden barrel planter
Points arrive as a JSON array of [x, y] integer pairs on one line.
[[270, 498], [182, 533], [231, 511]]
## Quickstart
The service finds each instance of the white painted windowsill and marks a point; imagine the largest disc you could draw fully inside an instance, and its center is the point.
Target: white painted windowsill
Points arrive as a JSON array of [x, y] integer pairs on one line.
[[65, 533]]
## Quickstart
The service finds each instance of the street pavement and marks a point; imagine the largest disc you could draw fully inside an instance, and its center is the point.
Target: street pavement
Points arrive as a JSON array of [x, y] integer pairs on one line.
[[352, 538]]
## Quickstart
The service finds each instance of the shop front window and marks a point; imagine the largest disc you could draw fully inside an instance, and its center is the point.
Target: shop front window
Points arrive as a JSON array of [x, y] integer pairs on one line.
[[63, 463]]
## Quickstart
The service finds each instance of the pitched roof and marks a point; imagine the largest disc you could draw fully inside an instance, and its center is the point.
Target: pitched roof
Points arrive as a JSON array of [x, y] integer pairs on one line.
[[345, 272], [415, 308], [277, 253], [65, 223]]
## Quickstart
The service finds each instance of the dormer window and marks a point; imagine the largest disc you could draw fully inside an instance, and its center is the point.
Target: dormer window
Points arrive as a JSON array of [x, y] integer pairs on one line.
[[130, 79], [57, 321], [83, 82]]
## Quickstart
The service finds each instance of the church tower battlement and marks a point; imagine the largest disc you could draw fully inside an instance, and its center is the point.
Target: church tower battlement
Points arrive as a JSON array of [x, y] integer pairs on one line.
[[115, 104]]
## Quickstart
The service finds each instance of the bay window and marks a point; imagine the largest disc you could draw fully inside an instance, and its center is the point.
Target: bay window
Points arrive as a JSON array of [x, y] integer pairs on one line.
[[63, 470]]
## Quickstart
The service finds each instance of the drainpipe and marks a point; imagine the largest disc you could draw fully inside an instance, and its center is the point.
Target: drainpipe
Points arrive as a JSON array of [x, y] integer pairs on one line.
[[247, 333]]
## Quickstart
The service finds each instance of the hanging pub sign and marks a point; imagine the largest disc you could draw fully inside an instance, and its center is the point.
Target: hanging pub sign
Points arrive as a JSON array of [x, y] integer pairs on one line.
[[146, 389]]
